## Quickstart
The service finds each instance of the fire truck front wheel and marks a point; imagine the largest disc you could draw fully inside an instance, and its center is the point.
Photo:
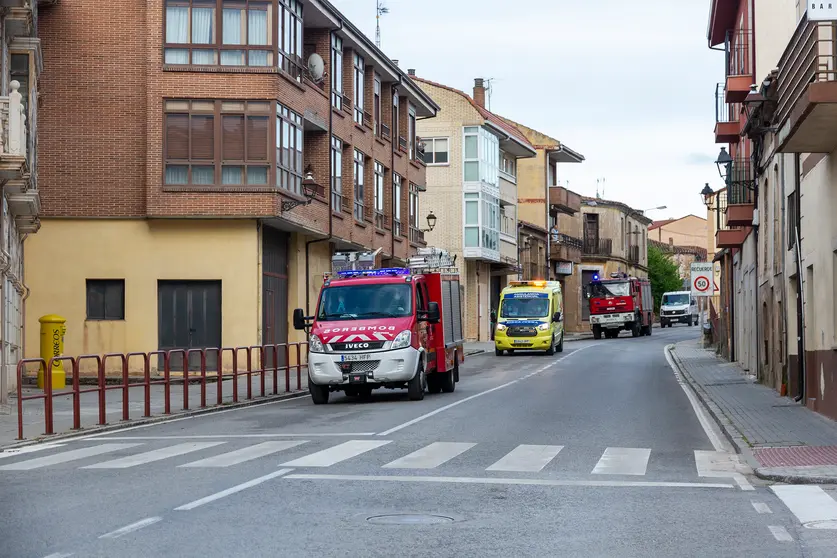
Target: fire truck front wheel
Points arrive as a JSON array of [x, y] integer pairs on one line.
[[319, 394], [597, 332], [416, 386]]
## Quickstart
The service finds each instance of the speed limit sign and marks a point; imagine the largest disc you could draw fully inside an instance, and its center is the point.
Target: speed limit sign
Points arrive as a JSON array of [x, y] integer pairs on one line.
[[702, 274]]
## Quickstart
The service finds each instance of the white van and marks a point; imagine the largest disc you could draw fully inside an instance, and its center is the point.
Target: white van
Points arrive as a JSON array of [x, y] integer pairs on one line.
[[678, 307]]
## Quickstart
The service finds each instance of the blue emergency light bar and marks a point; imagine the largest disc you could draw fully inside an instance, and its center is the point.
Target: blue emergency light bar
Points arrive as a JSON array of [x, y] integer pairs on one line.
[[389, 271]]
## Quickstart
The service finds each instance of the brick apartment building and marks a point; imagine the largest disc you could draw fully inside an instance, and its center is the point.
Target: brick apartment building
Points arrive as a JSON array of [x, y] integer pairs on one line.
[[21, 66], [198, 177]]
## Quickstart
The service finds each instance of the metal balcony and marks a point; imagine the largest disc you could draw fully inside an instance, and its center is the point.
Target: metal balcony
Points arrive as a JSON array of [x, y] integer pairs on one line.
[[727, 123], [565, 248], [740, 193], [727, 235], [598, 247], [806, 115], [739, 64]]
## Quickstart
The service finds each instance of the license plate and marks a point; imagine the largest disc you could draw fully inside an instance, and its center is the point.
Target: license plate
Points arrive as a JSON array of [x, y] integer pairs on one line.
[[354, 358], [522, 342], [357, 378]]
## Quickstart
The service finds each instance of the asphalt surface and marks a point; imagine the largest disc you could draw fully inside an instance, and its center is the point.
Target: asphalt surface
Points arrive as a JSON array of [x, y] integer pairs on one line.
[[591, 452]]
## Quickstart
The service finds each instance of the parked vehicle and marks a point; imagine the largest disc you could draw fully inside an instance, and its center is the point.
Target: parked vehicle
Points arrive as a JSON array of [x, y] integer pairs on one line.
[[620, 303], [678, 307], [385, 328], [530, 318]]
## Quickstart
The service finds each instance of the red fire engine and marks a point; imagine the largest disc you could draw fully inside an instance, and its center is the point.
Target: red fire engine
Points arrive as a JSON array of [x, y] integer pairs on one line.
[[386, 328], [620, 303]]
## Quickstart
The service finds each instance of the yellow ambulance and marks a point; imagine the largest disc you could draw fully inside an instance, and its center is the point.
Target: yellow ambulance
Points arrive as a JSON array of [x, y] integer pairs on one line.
[[530, 318]]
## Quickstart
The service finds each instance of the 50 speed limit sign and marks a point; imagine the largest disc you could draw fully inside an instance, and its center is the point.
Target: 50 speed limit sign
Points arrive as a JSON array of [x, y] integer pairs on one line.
[[702, 275]]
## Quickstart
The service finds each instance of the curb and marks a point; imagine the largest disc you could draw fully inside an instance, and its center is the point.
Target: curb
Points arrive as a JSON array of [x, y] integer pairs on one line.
[[735, 437], [42, 439]]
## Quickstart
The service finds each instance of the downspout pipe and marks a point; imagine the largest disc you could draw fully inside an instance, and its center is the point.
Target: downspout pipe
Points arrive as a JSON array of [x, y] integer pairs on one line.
[[800, 296], [329, 197], [393, 135]]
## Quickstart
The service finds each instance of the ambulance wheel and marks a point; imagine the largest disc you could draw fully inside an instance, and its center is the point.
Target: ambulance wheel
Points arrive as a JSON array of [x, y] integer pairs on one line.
[[319, 394], [561, 343], [416, 386], [597, 332], [551, 350], [498, 352], [447, 381]]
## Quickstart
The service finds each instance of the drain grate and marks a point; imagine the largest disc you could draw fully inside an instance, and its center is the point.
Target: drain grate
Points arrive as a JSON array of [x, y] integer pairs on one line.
[[409, 519]]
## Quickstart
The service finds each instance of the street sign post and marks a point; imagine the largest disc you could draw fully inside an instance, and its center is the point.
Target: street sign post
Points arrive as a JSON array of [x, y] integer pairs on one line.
[[702, 279]]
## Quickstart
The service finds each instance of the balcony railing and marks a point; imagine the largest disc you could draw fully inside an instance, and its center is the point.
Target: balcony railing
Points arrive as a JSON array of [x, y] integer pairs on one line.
[[565, 248], [563, 200], [739, 53], [598, 246], [13, 116], [416, 236], [809, 62], [740, 183], [727, 123]]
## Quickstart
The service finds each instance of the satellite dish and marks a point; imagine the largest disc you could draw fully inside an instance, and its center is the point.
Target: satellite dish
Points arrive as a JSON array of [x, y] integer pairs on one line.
[[316, 67]]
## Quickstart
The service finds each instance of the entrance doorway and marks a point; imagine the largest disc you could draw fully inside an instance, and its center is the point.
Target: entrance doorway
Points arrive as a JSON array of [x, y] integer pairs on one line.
[[274, 291], [189, 315]]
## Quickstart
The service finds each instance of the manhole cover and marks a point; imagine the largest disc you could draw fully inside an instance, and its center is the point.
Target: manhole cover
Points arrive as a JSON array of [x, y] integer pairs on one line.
[[824, 524], [409, 519]]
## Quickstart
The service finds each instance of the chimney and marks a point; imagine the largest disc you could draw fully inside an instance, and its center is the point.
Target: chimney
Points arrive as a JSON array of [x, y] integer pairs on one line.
[[479, 92], [411, 72]]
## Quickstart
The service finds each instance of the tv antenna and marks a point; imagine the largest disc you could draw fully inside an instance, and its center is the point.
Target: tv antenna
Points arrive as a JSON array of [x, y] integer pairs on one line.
[[380, 10], [488, 90]]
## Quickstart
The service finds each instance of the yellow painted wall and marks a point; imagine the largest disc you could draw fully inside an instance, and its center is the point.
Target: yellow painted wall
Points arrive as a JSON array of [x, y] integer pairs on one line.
[[65, 253], [531, 189]]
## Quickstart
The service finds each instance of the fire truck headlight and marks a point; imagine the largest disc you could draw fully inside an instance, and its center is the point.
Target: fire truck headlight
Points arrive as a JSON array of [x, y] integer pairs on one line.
[[315, 345], [402, 340], [543, 327]]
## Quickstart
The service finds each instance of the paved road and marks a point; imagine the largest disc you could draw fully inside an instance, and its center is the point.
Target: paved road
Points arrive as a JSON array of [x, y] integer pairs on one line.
[[593, 452]]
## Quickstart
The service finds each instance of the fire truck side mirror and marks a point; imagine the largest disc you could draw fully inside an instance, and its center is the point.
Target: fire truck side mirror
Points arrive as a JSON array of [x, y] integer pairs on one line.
[[433, 314], [299, 319]]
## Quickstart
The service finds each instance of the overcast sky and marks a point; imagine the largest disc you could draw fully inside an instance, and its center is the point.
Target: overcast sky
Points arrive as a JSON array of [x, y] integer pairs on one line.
[[630, 85]]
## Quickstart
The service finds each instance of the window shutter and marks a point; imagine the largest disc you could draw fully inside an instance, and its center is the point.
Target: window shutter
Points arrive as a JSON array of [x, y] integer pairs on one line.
[[203, 137], [177, 136], [233, 137], [257, 138]]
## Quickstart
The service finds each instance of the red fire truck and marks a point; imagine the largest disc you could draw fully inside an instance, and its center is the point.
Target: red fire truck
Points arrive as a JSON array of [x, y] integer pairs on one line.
[[620, 303], [385, 328]]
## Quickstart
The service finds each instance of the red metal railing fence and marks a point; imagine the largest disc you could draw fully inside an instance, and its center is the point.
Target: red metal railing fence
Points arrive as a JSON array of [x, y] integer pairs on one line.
[[244, 362]]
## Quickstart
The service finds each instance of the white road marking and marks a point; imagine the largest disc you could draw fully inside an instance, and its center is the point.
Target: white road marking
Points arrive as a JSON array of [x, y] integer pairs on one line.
[[709, 426], [498, 480], [809, 503], [526, 458], [235, 436], [153, 455], [761, 507], [336, 454], [232, 490], [780, 533], [480, 394], [131, 528], [60, 555], [622, 461], [28, 449], [721, 464], [245, 454], [431, 456], [64, 457]]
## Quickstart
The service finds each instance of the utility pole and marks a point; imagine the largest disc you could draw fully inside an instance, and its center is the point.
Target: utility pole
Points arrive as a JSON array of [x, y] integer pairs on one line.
[[380, 10]]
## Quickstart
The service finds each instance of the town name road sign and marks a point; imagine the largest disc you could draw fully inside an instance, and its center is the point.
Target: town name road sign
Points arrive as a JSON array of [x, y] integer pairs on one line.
[[702, 278]]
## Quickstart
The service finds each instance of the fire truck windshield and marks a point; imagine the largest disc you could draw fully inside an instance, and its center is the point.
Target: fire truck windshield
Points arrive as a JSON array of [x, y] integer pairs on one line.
[[525, 308], [621, 288], [366, 301]]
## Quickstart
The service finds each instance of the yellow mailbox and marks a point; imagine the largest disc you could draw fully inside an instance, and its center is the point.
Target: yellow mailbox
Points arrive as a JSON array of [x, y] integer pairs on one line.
[[52, 345]]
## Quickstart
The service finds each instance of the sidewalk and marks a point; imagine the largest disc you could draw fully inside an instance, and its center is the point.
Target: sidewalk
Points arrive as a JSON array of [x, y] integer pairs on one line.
[[782, 440], [478, 347]]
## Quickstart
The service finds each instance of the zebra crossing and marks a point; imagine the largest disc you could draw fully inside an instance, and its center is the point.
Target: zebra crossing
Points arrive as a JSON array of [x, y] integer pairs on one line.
[[384, 454]]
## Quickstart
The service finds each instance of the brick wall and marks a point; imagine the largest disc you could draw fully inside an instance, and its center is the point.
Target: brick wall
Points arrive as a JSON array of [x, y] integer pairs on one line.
[[101, 125]]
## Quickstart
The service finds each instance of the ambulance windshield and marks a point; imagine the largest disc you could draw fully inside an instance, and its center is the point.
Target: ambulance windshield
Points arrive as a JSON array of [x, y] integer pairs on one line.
[[393, 300], [525, 308]]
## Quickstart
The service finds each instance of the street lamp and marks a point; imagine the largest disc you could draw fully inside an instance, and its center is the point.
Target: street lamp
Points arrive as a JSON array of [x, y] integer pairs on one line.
[[431, 223], [309, 189], [654, 208], [752, 101], [723, 163], [707, 194]]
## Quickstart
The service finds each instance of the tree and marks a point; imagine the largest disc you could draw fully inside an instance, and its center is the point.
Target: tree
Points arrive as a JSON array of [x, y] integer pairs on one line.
[[663, 274]]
